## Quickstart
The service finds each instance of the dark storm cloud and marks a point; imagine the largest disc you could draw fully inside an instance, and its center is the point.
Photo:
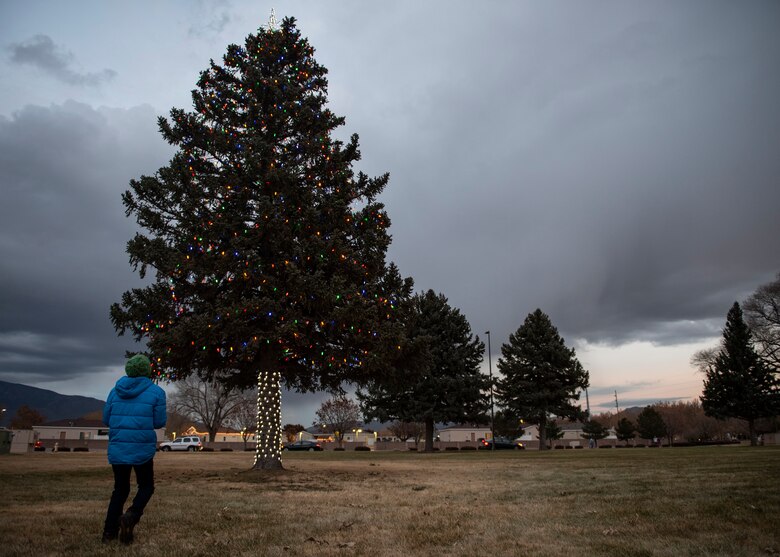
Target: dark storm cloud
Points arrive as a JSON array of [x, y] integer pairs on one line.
[[63, 234], [620, 173], [41, 52], [62, 242], [613, 164]]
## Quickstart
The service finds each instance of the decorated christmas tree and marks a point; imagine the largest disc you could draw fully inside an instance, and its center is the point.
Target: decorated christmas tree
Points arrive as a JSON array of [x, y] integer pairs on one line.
[[268, 249]]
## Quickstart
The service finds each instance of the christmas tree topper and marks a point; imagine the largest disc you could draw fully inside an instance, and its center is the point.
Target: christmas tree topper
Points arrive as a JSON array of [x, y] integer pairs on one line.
[[272, 20]]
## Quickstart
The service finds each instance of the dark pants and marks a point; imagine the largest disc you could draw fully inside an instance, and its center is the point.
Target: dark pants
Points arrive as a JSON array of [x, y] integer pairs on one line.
[[144, 475]]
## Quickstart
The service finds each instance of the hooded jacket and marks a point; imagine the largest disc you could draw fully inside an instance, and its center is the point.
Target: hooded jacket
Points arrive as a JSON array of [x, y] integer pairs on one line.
[[134, 409]]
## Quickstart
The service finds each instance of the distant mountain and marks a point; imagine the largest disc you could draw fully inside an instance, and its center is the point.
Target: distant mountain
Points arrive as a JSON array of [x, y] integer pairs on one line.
[[53, 406]]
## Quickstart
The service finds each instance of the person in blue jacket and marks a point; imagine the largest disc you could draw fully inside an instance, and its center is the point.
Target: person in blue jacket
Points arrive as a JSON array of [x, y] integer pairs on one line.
[[134, 409]]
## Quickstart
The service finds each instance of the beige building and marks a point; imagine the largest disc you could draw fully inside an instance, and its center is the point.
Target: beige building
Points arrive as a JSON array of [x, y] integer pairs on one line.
[[464, 433], [78, 432]]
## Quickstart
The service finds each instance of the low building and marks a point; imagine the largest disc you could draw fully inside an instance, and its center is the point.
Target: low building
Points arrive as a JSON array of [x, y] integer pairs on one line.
[[78, 432], [77, 429], [460, 433], [571, 436]]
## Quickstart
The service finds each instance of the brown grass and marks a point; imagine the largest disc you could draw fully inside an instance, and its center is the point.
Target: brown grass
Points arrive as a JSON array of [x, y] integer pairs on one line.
[[659, 502]]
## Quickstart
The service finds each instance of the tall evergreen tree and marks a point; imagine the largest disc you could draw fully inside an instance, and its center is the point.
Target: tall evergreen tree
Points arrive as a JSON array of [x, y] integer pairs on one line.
[[268, 249], [739, 384], [447, 386], [541, 376], [552, 432], [625, 430], [650, 424], [505, 424]]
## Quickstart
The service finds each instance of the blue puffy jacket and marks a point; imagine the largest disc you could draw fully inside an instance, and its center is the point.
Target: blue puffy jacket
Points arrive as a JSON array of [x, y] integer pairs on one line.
[[134, 409]]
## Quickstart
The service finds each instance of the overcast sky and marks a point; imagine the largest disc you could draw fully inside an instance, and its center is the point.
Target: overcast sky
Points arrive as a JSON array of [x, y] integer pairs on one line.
[[613, 163]]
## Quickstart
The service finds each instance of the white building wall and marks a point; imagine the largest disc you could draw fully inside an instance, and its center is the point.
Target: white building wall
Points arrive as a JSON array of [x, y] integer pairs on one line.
[[463, 434]]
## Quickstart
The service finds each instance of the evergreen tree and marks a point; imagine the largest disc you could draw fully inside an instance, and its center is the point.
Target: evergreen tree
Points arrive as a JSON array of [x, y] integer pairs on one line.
[[593, 431], [445, 386], [505, 424], [268, 249], [625, 430], [541, 376], [552, 432], [739, 384], [650, 424]]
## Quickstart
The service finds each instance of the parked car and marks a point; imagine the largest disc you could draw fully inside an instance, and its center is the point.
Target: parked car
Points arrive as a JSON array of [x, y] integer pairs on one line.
[[302, 445], [501, 444], [190, 443]]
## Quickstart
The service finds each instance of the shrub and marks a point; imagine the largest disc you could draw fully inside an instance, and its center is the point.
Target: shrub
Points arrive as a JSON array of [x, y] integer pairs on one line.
[[412, 448], [468, 448], [558, 447], [362, 448], [39, 449], [81, 449], [339, 449], [63, 449], [208, 449], [605, 446], [227, 450], [451, 448]]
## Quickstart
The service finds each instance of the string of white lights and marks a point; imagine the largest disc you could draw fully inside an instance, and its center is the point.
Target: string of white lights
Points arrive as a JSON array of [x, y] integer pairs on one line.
[[269, 418]]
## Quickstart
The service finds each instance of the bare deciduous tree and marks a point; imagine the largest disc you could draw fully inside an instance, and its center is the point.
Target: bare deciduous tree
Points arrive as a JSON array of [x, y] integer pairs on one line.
[[705, 358], [210, 402], [244, 418], [340, 414], [291, 430], [26, 418], [762, 314], [407, 430], [678, 417], [176, 423]]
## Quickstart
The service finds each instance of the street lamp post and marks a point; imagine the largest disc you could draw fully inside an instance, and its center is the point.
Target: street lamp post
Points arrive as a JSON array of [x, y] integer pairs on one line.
[[492, 417]]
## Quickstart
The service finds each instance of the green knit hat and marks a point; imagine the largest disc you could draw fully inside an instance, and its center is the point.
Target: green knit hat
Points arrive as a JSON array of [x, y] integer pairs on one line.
[[138, 366]]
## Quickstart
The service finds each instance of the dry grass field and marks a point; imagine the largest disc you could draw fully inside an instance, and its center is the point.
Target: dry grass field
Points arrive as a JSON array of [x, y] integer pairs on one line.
[[661, 502]]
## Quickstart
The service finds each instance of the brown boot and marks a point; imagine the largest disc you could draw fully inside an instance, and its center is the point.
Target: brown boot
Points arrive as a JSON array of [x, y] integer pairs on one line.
[[126, 524], [109, 537]]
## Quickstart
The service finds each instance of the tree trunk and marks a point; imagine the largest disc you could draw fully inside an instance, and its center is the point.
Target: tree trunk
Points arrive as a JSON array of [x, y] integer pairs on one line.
[[428, 435], [543, 432], [752, 430], [268, 452]]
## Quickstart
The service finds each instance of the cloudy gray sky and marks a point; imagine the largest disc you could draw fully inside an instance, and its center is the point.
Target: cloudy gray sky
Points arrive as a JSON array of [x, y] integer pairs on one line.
[[613, 163]]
